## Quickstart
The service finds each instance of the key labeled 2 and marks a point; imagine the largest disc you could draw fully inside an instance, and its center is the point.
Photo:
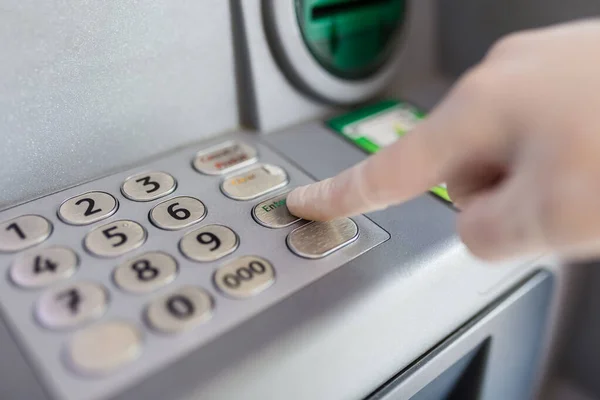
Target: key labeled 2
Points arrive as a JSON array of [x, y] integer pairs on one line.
[[115, 238], [72, 305], [87, 208], [245, 277]]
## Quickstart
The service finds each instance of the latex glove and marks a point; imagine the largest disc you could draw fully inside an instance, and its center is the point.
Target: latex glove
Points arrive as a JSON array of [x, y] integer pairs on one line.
[[518, 142]]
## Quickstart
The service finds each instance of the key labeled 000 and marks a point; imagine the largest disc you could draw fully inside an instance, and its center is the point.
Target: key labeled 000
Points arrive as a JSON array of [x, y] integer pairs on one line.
[[242, 274], [245, 277]]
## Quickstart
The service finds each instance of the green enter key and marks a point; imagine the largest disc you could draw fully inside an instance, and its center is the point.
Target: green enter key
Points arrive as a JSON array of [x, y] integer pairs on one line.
[[273, 213]]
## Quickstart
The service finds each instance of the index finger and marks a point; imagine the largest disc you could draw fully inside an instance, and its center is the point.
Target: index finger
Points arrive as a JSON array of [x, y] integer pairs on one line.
[[411, 166]]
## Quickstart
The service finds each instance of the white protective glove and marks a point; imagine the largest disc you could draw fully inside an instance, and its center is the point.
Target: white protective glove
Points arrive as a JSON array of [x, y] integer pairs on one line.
[[518, 142]]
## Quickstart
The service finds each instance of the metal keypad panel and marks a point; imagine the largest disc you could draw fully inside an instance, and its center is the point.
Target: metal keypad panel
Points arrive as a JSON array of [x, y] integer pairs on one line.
[[182, 250]]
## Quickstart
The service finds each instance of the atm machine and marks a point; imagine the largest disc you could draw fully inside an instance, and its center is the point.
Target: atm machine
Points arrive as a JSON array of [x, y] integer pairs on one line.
[[145, 246]]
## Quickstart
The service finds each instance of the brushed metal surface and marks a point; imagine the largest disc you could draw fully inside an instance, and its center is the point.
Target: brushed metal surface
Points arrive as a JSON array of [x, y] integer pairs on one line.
[[319, 239]]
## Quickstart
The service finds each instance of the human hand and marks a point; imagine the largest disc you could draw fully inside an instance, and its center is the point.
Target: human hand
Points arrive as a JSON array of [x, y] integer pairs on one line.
[[517, 141]]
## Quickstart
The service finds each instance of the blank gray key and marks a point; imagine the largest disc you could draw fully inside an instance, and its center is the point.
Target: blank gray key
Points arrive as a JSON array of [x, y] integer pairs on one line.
[[320, 239], [102, 348]]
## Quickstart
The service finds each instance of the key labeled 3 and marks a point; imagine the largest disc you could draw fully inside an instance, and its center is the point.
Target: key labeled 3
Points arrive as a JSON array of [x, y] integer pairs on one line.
[[149, 186], [39, 268], [245, 277]]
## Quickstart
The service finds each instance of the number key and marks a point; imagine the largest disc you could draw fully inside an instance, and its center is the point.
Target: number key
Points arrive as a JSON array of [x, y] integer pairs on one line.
[[146, 273], [71, 305], [115, 238], [209, 243], [245, 277], [22, 232], [40, 268], [181, 310], [149, 186], [87, 208], [178, 213]]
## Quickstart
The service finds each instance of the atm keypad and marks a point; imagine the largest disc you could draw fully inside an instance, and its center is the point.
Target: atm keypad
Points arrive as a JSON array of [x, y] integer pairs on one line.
[[192, 244]]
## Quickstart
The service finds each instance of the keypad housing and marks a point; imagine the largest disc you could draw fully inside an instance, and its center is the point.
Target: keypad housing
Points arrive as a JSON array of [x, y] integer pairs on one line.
[[47, 348]]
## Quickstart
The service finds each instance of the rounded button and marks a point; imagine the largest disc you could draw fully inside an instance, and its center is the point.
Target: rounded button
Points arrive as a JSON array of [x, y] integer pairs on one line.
[[146, 273], [319, 239], [71, 305], [178, 213], [180, 310], [44, 267], [149, 186], [115, 238], [209, 243], [245, 277], [254, 182], [102, 348], [87, 208], [224, 158], [273, 213], [22, 232]]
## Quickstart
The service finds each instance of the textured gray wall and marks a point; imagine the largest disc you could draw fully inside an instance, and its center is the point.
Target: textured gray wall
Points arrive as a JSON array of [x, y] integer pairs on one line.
[[90, 86]]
